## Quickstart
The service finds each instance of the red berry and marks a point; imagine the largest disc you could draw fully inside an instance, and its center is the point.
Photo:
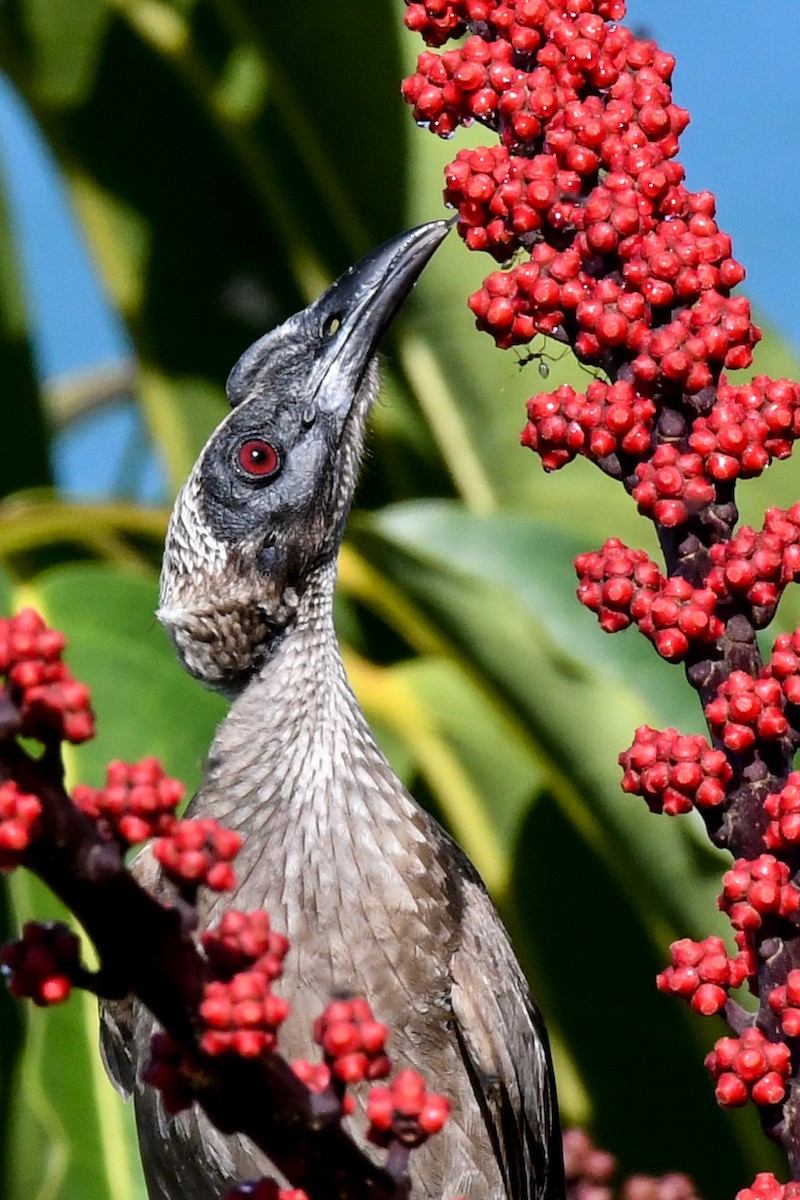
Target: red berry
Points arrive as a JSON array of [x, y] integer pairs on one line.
[[405, 1111], [749, 1067], [19, 823], [43, 964], [755, 888], [352, 1041], [199, 851]]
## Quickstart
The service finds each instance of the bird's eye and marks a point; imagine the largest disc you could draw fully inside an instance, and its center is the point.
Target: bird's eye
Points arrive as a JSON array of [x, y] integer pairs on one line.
[[258, 459], [332, 324]]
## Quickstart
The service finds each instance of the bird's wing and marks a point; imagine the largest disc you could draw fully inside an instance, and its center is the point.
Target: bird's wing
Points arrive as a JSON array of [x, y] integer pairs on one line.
[[505, 1049]]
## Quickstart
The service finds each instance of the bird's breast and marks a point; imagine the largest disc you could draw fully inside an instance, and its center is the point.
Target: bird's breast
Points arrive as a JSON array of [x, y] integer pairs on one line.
[[347, 866]]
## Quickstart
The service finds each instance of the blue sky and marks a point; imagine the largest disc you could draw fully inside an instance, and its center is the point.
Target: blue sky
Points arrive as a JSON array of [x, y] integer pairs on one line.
[[75, 326], [737, 73]]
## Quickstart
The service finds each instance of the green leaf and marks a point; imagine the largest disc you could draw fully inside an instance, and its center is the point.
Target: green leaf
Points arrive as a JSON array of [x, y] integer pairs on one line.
[[65, 42]]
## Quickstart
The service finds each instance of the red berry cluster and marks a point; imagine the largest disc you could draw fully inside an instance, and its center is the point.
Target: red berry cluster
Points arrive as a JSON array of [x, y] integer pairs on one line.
[[264, 1189], [673, 771], [588, 1169], [439, 20], [749, 1068], [608, 419], [137, 802], [602, 247], [51, 703], [623, 586], [783, 809], [42, 964], [689, 353], [405, 1111], [590, 1172], [617, 583], [610, 318], [621, 261], [702, 973], [240, 1012], [171, 1072], [785, 1001], [199, 852], [241, 1015], [534, 297], [766, 1187], [19, 816], [672, 485], [244, 942], [758, 566], [532, 71], [784, 665], [747, 427], [757, 888], [680, 259], [681, 617], [504, 201], [436, 20], [746, 709], [352, 1041]]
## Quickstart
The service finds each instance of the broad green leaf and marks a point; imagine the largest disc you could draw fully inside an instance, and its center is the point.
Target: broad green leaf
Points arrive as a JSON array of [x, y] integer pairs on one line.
[[35, 526], [65, 42]]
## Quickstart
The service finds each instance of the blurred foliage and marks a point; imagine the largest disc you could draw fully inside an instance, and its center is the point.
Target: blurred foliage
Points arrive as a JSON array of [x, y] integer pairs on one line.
[[226, 158]]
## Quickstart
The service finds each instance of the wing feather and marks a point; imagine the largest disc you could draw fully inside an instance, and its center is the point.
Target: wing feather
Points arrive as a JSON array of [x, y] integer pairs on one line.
[[505, 1048]]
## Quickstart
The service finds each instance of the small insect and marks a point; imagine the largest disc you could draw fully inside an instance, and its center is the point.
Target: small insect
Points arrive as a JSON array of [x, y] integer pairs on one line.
[[542, 360]]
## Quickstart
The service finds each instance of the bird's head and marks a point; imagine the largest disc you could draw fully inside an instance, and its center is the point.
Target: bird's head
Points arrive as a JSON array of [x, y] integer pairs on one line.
[[266, 502]]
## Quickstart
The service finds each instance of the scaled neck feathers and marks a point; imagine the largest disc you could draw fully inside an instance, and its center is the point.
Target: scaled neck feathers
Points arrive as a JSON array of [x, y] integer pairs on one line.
[[297, 770]]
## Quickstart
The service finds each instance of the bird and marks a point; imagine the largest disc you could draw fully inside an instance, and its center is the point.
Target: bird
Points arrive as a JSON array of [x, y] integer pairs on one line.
[[373, 895]]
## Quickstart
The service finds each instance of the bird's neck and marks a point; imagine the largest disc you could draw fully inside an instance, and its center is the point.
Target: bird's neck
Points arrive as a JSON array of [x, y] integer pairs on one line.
[[295, 754]]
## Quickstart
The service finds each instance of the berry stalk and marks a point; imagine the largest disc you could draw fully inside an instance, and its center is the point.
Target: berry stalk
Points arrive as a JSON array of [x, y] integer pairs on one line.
[[581, 201]]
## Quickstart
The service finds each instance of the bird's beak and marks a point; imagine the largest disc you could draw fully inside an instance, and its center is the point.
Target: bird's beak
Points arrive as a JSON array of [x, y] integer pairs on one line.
[[356, 310]]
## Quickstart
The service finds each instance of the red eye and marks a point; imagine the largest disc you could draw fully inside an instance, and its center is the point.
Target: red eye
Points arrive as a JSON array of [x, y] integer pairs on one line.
[[258, 458]]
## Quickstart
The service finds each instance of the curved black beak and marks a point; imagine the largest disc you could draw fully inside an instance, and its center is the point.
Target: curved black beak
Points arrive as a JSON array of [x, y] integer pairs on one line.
[[325, 349], [351, 317]]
